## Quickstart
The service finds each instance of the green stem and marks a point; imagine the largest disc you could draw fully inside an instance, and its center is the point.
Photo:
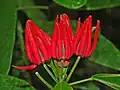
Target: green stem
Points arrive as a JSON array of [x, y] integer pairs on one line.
[[43, 80], [61, 78], [64, 72], [73, 68], [60, 73], [54, 68], [33, 7], [81, 81], [49, 72]]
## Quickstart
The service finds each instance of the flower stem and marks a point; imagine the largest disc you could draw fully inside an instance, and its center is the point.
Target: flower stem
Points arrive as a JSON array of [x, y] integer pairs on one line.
[[33, 7], [81, 81], [43, 80], [61, 73], [73, 68], [65, 72], [49, 72]]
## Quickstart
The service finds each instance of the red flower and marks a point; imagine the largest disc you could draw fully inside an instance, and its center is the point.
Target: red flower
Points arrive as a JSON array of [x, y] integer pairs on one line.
[[62, 38], [83, 43], [37, 44]]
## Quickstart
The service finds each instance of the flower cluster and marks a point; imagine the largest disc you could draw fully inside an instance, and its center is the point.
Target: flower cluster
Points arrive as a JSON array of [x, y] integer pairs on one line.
[[63, 44]]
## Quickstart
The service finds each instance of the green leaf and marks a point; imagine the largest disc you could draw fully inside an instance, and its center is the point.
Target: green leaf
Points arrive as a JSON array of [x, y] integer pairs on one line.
[[32, 13], [112, 80], [71, 4], [100, 4], [91, 86], [62, 86], [86, 86], [106, 54], [7, 33], [13, 83]]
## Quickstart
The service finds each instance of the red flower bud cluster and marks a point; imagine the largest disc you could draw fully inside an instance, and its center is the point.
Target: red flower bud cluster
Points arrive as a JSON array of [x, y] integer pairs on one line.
[[63, 44]]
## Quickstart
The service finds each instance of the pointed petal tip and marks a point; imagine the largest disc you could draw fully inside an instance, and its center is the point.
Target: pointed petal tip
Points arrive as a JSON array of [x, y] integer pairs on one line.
[[98, 21], [29, 21], [30, 67], [90, 16], [56, 19], [98, 24], [64, 14], [79, 20]]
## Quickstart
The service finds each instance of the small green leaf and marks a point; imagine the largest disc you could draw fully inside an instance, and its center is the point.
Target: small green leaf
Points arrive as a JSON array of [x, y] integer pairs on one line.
[[7, 33], [13, 83], [100, 4], [106, 54], [71, 4], [112, 80], [91, 86], [62, 86]]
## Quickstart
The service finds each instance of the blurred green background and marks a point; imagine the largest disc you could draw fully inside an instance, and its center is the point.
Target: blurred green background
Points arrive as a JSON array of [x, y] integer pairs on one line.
[[13, 16]]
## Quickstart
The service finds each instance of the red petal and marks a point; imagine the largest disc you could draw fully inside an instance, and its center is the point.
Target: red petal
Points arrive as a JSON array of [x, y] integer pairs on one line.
[[67, 49], [78, 36], [68, 27], [47, 44], [62, 35], [62, 28], [55, 38], [66, 19], [59, 49], [27, 47], [95, 38], [42, 50], [76, 41], [80, 45], [89, 36], [30, 67], [31, 48], [68, 37], [83, 38]]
